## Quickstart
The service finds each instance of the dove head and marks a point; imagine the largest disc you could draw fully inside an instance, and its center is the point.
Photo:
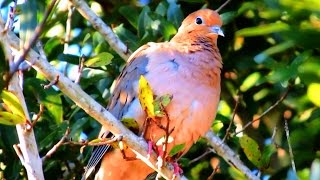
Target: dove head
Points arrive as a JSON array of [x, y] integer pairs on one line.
[[201, 25]]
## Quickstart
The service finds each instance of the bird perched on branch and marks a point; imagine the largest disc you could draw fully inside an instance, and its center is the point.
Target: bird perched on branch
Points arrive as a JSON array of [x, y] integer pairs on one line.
[[187, 68]]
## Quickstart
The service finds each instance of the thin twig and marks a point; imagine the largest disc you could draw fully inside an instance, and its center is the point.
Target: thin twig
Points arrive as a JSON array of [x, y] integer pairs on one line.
[[208, 151], [223, 5], [28, 45], [167, 132], [286, 128], [10, 20], [80, 69], [215, 170], [102, 142], [265, 112], [17, 149], [232, 119], [54, 82], [68, 27], [56, 146], [274, 133], [41, 109]]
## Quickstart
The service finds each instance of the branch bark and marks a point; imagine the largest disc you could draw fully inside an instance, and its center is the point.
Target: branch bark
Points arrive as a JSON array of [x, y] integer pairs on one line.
[[87, 103], [30, 158]]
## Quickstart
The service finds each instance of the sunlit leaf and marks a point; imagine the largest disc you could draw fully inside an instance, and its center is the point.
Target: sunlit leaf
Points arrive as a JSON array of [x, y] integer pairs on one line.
[[263, 29], [146, 97], [313, 93], [99, 60], [260, 58], [251, 149], [10, 119], [12, 102], [250, 81]]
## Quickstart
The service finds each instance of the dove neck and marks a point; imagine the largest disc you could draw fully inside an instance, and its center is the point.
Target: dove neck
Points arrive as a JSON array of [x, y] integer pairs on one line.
[[198, 42]]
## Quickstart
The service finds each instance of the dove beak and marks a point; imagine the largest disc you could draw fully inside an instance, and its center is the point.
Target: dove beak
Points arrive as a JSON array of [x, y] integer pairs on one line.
[[217, 30]]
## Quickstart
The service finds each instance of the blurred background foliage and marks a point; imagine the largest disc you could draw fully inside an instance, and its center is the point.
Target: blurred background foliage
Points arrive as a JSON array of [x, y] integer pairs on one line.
[[270, 47]]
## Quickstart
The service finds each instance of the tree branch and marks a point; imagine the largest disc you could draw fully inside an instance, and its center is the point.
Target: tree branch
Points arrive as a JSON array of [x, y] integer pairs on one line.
[[87, 103], [103, 28], [30, 156]]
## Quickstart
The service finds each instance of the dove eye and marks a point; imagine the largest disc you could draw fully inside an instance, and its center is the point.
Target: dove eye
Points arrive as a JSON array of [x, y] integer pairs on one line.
[[199, 20]]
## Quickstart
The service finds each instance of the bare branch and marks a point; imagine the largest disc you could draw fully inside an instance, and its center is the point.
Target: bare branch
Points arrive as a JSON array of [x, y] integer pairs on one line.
[[208, 151], [54, 82], [10, 20], [68, 27], [27, 142], [265, 112], [232, 119], [56, 146], [286, 128], [223, 5], [80, 68], [35, 120], [103, 28]]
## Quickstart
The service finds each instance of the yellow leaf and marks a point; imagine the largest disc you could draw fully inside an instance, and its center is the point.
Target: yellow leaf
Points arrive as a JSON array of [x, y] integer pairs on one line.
[[13, 103], [146, 96], [10, 119], [313, 93]]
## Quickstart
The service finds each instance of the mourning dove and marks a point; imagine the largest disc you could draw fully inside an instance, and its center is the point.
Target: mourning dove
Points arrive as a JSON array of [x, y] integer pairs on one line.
[[188, 68]]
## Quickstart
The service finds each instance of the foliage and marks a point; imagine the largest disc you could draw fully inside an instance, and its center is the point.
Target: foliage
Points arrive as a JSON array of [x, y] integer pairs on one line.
[[269, 46]]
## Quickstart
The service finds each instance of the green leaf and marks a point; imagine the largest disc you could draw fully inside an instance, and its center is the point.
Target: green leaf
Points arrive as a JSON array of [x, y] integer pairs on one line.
[[162, 9], [144, 21], [131, 124], [131, 14], [99, 60], [250, 81], [228, 17], [86, 38], [127, 36], [176, 149], [268, 151], [263, 29], [11, 119], [251, 150], [161, 102], [262, 57], [12, 103], [174, 13]]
